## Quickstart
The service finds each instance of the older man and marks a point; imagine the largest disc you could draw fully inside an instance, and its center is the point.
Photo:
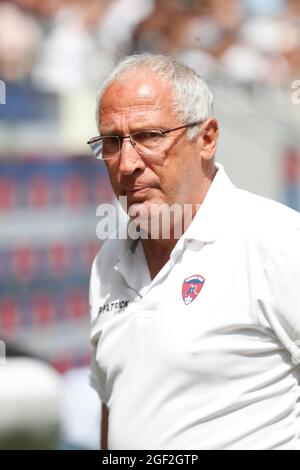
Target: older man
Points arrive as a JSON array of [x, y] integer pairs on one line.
[[195, 337]]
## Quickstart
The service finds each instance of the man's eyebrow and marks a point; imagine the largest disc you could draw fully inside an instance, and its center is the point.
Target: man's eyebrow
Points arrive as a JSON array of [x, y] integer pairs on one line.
[[108, 133], [145, 127]]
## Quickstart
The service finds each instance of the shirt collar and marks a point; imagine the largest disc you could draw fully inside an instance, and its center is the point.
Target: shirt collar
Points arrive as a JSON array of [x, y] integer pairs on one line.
[[209, 217], [138, 278]]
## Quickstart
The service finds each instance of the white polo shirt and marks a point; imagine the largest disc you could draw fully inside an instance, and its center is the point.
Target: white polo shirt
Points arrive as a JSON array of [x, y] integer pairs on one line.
[[205, 355]]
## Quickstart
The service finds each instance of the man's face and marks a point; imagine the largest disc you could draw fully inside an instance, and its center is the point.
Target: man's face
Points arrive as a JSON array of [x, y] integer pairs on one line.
[[175, 173]]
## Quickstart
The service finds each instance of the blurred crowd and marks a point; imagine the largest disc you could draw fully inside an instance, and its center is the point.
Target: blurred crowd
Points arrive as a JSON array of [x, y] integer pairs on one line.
[[64, 45]]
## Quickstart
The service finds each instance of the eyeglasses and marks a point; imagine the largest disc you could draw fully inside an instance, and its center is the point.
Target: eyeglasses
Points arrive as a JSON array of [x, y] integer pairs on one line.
[[145, 142]]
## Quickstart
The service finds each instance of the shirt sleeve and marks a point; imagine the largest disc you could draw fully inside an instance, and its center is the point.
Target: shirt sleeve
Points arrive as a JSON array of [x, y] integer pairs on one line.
[[279, 298]]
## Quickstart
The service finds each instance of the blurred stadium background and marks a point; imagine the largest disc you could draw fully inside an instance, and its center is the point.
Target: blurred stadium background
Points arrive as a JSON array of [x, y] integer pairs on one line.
[[53, 56]]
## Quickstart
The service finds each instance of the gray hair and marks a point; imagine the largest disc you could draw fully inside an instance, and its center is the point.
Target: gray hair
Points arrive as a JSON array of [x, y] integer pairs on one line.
[[193, 100]]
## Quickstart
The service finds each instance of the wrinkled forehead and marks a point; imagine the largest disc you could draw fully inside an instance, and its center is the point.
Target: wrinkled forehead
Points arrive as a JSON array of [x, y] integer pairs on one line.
[[138, 88]]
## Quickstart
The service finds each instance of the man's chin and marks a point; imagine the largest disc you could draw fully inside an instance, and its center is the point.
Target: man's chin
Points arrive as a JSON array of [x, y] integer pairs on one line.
[[146, 216], [142, 210]]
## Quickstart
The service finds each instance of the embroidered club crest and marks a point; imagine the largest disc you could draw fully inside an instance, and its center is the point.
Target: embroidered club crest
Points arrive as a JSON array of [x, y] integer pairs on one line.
[[191, 287]]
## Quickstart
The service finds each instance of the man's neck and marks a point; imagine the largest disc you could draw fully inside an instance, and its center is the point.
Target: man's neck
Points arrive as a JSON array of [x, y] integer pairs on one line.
[[157, 253]]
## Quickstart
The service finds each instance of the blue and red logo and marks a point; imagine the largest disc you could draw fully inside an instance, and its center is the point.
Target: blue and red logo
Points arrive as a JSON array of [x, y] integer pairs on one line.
[[191, 287]]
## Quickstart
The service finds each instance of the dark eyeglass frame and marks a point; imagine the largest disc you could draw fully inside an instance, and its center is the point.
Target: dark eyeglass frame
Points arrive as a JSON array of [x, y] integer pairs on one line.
[[99, 138]]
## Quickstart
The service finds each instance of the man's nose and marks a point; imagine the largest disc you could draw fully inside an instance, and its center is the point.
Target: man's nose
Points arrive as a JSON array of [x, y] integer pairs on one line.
[[130, 160]]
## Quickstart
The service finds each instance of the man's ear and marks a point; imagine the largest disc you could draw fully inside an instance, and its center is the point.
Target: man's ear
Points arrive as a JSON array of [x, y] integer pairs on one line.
[[209, 133]]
